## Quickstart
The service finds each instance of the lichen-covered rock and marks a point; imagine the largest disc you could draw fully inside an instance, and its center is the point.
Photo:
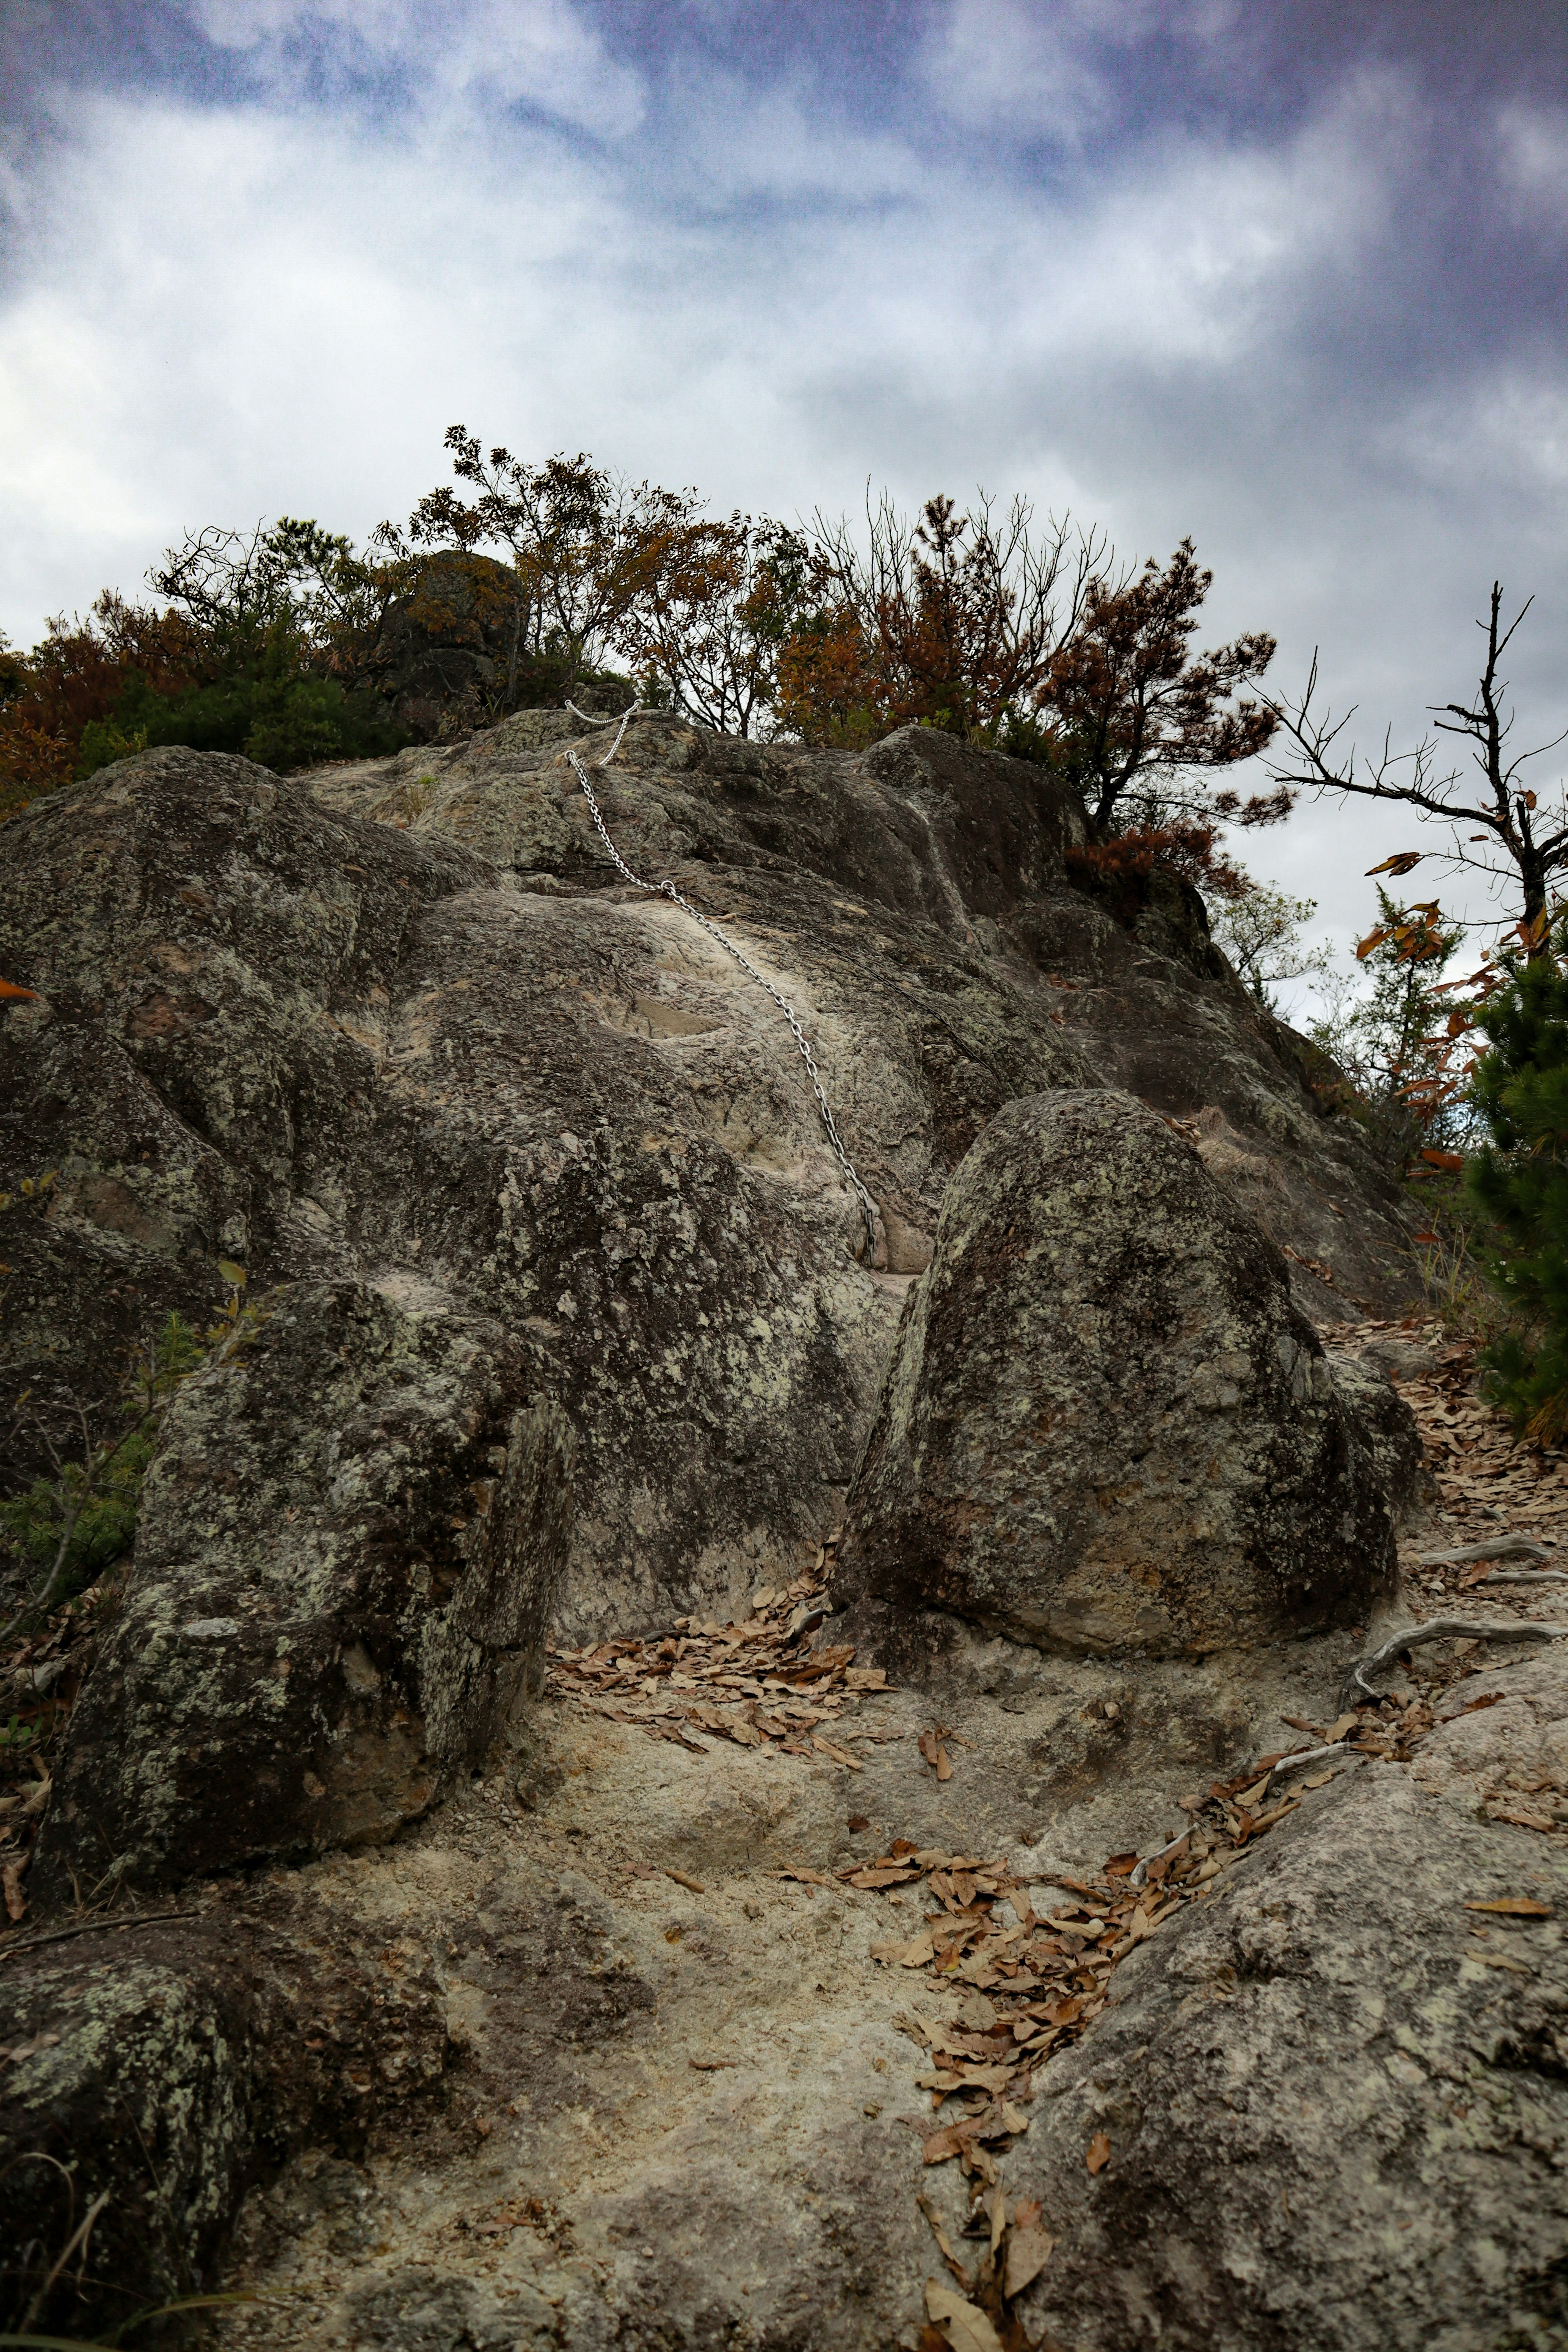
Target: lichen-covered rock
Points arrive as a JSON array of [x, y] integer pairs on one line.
[[350, 1542], [1336, 2098], [1104, 1425], [155, 2069]]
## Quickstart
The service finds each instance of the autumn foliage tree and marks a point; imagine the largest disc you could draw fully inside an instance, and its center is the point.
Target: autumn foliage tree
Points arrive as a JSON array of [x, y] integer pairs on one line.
[[1140, 717], [950, 623], [72, 682], [713, 608], [582, 546]]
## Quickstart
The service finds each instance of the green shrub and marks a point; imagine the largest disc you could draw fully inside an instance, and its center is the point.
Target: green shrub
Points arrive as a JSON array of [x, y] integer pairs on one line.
[[1519, 1178], [273, 710]]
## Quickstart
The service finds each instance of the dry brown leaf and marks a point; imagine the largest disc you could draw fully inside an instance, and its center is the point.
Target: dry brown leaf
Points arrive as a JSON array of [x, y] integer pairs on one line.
[[968, 2075], [1338, 1728], [914, 1954], [695, 1885], [874, 1878], [1099, 2155], [808, 1877], [944, 1772], [1028, 2252], [1515, 1906], [996, 2207], [940, 2235], [964, 2325], [11, 1880]]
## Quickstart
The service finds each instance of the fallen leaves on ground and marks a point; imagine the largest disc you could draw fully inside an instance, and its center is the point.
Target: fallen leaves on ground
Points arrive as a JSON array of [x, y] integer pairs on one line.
[[1515, 1906], [758, 1683], [963, 2323], [1487, 1478], [1098, 2154]]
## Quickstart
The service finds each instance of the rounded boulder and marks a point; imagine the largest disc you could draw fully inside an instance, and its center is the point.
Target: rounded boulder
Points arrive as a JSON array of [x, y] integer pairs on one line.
[[1104, 1426]]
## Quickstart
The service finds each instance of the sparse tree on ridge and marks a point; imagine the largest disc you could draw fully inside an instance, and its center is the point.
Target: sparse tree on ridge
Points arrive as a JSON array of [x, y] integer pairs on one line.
[[1260, 929], [952, 622], [1138, 716], [580, 539], [714, 605], [1525, 843]]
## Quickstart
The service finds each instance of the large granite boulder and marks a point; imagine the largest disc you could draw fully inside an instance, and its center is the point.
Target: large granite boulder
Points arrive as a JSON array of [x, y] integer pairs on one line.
[[1105, 1426], [448, 651], [1336, 2096], [349, 1544]]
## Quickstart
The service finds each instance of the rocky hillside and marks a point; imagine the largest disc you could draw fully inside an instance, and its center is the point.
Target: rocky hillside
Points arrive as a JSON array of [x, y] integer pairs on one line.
[[462, 2000]]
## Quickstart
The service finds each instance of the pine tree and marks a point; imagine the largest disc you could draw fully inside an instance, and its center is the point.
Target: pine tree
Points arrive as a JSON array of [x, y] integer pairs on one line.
[[1520, 1180]]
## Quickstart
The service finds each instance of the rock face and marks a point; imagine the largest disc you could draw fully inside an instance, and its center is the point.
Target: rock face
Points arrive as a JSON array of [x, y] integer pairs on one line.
[[348, 1548], [1104, 1425], [448, 650], [411, 1022], [1337, 2101], [517, 1161]]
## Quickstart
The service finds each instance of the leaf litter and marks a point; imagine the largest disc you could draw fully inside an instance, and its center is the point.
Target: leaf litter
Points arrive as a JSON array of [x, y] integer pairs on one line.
[[757, 1682]]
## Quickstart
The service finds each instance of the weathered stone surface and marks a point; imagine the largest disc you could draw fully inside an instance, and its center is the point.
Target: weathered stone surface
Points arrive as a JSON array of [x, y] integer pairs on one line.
[[448, 651], [570, 1111], [348, 1547], [409, 1018], [1337, 2101], [485, 1126], [163, 2066], [1104, 1425]]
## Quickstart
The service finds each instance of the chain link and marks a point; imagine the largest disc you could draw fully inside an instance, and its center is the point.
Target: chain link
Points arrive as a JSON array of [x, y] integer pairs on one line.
[[667, 889]]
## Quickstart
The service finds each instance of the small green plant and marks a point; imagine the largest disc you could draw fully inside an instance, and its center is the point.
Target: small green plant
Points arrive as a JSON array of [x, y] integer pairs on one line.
[[138, 2319], [73, 1520], [1458, 1289]]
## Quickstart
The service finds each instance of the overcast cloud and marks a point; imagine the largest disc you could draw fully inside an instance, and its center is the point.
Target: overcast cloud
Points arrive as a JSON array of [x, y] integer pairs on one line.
[[1287, 277]]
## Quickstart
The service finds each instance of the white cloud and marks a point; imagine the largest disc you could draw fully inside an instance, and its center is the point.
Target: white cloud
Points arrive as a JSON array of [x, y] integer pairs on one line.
[[992, 62], [1532, 156], [1048, 68]]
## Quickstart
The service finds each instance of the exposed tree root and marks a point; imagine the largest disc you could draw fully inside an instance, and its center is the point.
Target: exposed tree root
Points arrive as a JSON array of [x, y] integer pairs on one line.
[[1356, 1690]]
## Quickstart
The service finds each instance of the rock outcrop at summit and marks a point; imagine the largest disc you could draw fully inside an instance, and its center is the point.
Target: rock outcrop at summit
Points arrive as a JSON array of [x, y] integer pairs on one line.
[[1105, 1426], [407, 1021]]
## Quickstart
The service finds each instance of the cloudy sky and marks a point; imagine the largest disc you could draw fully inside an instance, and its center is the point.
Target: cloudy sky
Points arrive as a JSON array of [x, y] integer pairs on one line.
[[1287, 277]]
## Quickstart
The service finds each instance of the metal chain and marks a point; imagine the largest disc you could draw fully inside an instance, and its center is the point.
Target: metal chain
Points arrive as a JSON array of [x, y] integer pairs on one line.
[[667, 889]]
